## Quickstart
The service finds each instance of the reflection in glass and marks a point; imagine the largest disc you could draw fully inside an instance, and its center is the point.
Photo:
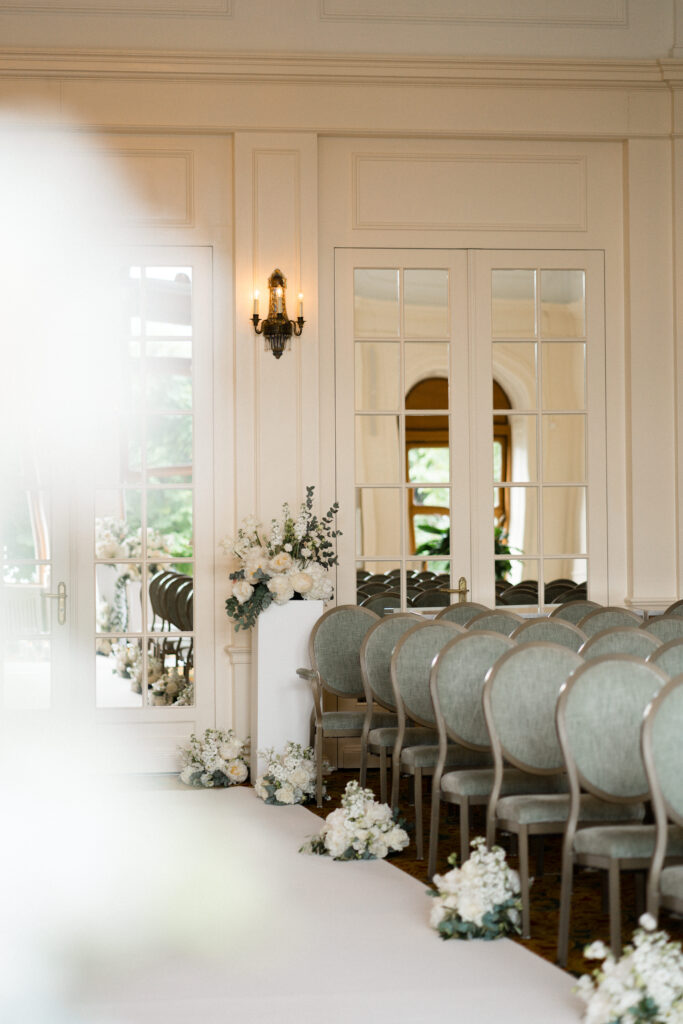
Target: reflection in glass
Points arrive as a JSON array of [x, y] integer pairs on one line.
[[563, 303], [428, 465], [169, 379], [425, 303], [564, 520], [169, 519], [427, 443], [569, 570], [521, 530], [522, 570], [168, 301], [377, 450], [432, 535], [24, 523], [171, 685], [514, 369], [169, 448], [24, 607], [513, 299], [118, 673], [118, 607], [378, 519], [564, 449], [378, 369], [26, 674], [523, 464], [375, 303], [564, 375], [171, 598], [118, 519], [426, 375]]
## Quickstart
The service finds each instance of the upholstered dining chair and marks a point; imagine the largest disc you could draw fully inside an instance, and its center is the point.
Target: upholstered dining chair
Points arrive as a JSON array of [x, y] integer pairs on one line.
[[410, 667], [607, 618], [334, 653], [663, 759], [620, 640], [666, 627], [599, 715], [669, 657], [573, 610], [462, 612], [375, 660], [675, 609], [381, 603], [500, 620], [549, 631], [431, 598]]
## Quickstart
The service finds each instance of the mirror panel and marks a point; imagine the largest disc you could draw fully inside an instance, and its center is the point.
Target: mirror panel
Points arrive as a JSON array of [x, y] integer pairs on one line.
[[564, 520], [522, 464], [514, 369], [378, 458], [167, 301], [118, 673], [378, 375], [564, 375], [169, 522], [513, 298], [169, 449], [425, 303], [26, 674], [375, 303], [563, 303], [520, 534], [426, 362], [565, 570], [378, 522], [564, 449]]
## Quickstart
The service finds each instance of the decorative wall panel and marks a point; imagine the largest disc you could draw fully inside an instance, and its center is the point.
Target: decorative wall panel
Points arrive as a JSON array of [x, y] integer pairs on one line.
[[537, 12], [159, 182], [186, 8]]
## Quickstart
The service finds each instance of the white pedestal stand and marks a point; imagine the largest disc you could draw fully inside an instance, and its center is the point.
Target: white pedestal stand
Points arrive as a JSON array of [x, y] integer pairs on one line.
[[281, 702]]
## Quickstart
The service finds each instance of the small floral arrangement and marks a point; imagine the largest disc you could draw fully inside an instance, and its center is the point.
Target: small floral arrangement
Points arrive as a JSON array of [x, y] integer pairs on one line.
[[289, 778], [479, 900], [290, 562], [115, 541], [644, 985], [218, 759], [361, 829], [173, 688]]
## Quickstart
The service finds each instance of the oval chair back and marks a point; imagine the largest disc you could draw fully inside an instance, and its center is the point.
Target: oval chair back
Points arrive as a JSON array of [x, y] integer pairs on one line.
[[375, 657], [620, 640], [607, 618], [669, 657], [549, 631], [381, 603], [497, 621], [666, 627], [411, 664], [675, 609], [430, 598], [334, 648], [574, 611], [462, 613]]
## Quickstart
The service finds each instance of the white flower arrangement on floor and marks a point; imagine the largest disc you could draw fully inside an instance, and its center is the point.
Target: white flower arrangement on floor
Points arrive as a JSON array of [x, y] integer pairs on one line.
[[173, 688], [361, 829], [644, 985], [217, 759], [290, 777], [291, 562], [479, 900]]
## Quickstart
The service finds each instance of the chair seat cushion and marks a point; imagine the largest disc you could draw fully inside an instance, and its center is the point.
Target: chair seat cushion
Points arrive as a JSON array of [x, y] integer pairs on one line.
[[427, 756], [352, 721], [414, 736], [478, 782], [671, 882], [625, 841], [532, 809]]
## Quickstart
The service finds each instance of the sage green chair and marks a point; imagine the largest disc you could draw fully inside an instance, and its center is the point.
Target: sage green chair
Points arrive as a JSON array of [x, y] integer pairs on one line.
[[574, 611], [375, 660], [520, 700], [599, 715], [666, 627], [411, 663], [620, 640], [380, 603], [549, 631], [675, 609], [663, 759], [431, 598], [669, 657], [496, 621], [334, 653], [607, 618], [462, 613]]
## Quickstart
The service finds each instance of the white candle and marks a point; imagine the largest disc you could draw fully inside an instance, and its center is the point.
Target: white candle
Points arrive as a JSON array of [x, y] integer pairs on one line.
[[256, 303], [301, 305], [278, 300]]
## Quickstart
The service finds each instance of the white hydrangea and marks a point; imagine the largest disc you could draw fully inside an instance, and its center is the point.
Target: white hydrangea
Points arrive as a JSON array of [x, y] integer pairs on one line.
[[483, 895], [361, 829]]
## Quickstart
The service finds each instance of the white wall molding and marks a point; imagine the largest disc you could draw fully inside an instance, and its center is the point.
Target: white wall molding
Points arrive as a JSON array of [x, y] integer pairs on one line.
[[139, 8], [584, 13]]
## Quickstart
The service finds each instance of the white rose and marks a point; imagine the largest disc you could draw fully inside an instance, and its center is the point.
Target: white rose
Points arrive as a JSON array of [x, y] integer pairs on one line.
[[302, 582], [242, 591], [187, 773], [397, 838], [255, 559], [260, 789], [299, 776], [437, 914], [285, 794], [237, 771], [281, 562], [230, 750], [281, 589]]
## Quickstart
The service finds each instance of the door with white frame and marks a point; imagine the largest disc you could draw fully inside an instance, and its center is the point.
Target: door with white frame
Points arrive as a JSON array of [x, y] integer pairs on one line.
[[468, 384], [111, 601]]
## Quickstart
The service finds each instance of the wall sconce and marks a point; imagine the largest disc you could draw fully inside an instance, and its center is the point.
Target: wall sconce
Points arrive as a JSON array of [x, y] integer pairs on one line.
[[277, 329]]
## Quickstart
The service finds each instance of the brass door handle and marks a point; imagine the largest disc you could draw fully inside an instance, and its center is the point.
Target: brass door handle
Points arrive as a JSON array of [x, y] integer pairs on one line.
[[60, 598]]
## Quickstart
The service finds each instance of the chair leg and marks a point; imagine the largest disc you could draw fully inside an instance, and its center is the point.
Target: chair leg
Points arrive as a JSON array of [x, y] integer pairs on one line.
[[434, 831], [419, 836], [523, 838], [464, 830], [614, 907], [395, 780], [383, 774], [565, 907], [319, 768], [363, 777]]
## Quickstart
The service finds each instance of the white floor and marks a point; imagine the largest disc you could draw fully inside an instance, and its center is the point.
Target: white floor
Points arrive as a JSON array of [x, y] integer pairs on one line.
[[200, 910]]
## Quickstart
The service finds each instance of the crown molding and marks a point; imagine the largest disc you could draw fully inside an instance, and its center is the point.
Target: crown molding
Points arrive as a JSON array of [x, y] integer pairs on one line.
[[330, 68]]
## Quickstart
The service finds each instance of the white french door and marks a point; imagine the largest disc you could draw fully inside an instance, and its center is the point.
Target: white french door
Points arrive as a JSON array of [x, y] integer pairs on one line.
[[470, 423]]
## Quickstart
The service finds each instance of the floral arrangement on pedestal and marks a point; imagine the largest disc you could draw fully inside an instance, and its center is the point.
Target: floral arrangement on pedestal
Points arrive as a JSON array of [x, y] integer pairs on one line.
[[290, 562], [479, 900], [361, 829], [645, 984], [219, 758], [290, 777]]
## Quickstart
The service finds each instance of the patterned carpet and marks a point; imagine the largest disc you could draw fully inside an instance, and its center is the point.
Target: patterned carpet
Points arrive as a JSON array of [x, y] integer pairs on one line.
[[590, 919]]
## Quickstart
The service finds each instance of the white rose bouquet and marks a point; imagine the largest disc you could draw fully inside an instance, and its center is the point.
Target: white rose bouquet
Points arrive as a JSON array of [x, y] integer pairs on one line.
[[289, 563], [361, 829], [644, 984], [479, 900], [218, 759], [289, 778]]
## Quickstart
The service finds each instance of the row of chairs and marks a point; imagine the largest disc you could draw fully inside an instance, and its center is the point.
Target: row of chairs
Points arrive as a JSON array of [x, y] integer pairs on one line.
[[171, 596], [473, 704], [369, 587]]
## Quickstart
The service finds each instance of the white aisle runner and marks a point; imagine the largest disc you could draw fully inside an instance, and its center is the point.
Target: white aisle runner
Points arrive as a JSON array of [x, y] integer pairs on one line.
[[251, 930]]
